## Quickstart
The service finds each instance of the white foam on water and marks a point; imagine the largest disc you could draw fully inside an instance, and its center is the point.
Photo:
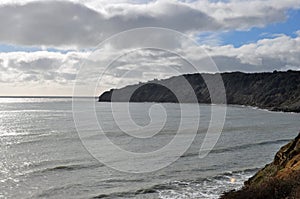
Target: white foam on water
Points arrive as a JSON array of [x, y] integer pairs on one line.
[[209, 188]]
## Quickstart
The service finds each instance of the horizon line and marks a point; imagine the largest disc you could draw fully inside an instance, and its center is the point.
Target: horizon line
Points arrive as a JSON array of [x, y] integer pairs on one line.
[[46, 96]]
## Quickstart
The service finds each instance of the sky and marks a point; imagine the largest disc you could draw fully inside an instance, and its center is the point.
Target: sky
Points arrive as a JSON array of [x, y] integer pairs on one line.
[[45, 43]]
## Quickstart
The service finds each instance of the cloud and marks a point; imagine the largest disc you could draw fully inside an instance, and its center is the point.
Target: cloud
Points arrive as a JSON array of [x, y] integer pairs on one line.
[[279, 53], [40, 67], [241, 15], [76, 24], [85, 23], [31, 69], [59, 24], [48, 23]]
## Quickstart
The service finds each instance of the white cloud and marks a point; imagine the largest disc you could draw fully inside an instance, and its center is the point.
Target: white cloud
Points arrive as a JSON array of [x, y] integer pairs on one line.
[[279, 53], [84, 23], [39, 69], [240, 14], [77, 24]]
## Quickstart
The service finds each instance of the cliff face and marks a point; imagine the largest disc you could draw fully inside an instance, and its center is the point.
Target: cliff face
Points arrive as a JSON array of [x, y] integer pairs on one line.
[[279, 179], [278, 91], [286, 161]]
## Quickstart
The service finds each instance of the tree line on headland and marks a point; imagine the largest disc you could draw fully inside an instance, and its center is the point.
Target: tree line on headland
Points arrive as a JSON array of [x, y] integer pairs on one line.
[[276, 91]]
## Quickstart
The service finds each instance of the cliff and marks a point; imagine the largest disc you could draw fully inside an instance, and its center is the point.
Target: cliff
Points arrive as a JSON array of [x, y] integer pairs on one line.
[[279, 179], [278, 91]]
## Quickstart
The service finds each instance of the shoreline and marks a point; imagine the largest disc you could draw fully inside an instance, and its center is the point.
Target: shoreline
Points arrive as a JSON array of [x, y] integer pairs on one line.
[[276, 110]]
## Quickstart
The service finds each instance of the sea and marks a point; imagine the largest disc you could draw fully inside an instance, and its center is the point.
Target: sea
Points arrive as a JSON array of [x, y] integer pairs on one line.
[[42, 154]]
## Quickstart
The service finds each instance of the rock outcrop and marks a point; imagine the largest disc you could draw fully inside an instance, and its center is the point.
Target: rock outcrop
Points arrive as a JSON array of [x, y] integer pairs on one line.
[[279, 179], [277, 91]]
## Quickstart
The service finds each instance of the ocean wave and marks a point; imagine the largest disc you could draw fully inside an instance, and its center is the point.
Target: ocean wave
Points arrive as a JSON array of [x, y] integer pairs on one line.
[[71, 167], [239, 147], [207, 188], [131, 194], [246, 146], [204, 188], [41, 168], [52, 191]]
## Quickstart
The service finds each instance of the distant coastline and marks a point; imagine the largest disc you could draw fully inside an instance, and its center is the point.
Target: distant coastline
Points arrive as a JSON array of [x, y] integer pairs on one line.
[[274, 91]]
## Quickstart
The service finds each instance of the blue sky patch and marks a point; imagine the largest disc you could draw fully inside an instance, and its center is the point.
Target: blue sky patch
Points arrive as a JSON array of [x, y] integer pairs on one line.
[[239, 38]]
